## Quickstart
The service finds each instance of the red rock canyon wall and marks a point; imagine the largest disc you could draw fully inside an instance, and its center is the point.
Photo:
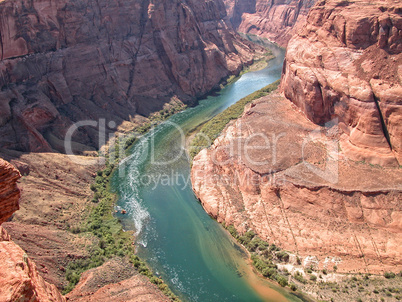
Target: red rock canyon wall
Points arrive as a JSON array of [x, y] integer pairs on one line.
[[64, 61], [276, 20], [19, 278], [311, 198], [9, 192], [346, 63]]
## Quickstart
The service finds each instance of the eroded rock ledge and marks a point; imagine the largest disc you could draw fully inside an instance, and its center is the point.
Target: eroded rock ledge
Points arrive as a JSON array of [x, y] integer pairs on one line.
[[275, 20], [35, 247], [316, 190], [346, 63], [9, 192], [273, 171], [19, 277], [62, 62]]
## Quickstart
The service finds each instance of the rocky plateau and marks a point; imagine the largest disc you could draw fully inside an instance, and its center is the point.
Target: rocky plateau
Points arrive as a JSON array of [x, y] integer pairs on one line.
[[63, 62], [316, 169]]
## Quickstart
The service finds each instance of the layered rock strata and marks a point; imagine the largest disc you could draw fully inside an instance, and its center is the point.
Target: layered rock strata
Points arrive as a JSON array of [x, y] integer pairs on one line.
[[346, 64], [62, 62], [9, 192], [116, 280], [19, 277], [275, 20], [281, 175]]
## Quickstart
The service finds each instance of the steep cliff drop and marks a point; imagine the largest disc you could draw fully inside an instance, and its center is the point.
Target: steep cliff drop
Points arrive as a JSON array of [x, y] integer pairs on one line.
[[19, 277], [346, 63], [9, 192], [275, 20], [62, 62], [315, 190], [32, 273]]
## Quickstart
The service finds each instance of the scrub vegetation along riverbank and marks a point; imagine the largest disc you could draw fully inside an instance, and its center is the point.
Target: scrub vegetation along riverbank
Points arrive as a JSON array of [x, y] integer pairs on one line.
[[302, 277], [260, 62], [212, 129], [111, 240], [304, 215], [101, 231]]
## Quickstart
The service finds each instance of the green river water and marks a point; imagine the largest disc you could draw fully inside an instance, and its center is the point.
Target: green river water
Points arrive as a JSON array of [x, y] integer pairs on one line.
[[178, 240]]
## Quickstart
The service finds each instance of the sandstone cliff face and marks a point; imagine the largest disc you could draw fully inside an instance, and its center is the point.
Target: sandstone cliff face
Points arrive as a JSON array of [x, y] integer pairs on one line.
[[346, 63], [9, 192], [273, 19], [63, 61], [19, 278], [54, 195], [275, 172], [314, 190], [117, 281]]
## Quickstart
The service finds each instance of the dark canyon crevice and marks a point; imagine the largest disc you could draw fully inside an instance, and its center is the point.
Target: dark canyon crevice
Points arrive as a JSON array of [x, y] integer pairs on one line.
[[70, 61]]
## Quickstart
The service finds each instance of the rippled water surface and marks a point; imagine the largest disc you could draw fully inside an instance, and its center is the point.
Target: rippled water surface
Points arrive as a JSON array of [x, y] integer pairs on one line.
[[175, 236]]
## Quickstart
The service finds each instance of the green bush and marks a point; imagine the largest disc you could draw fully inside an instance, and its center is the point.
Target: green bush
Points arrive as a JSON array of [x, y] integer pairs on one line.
[[273, 248], [262, 245], [252, 246], [283, 256], [75, 230], [282, 281], [244, 240], [313, 278], [268, 272], [389, 275], [299, 277], [212, 129], [232, 231], [259, 263], [250, 234]]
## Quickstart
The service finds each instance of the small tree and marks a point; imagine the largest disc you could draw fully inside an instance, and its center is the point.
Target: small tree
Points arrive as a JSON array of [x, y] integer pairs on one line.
[[389, 275], [282, 281], [313, 278]]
